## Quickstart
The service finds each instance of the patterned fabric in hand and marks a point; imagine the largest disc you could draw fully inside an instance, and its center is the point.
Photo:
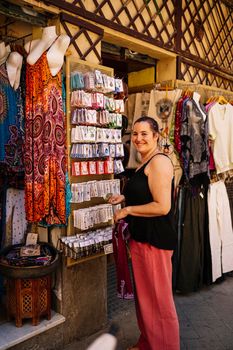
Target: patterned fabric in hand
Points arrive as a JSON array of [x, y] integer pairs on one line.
[[45, 149], [119, 236]]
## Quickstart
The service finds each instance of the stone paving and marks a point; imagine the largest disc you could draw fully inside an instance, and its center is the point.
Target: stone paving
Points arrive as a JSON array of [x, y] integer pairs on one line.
[[205, 317]]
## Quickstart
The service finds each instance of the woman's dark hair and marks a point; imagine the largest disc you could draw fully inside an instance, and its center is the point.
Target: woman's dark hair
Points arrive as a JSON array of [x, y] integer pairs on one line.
[[153, 123]]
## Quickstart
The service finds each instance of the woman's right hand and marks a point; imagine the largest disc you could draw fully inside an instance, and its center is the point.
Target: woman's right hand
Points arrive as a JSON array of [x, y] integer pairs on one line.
[[116, 199]]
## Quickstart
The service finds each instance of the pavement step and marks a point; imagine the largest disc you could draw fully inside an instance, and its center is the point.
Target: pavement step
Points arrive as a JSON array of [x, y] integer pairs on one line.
[[205, 317]]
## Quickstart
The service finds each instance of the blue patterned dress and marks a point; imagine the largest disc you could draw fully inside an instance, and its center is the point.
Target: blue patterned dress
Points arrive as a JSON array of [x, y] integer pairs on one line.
[[11, 144], [11, 126]]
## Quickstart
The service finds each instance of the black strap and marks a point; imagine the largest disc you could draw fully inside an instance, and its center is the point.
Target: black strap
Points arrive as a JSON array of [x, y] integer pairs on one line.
[[154, 156], [144, 165]]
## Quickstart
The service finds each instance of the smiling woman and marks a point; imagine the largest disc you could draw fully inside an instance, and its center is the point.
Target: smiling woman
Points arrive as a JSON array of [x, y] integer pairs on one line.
[[149, 213], [145, 137]]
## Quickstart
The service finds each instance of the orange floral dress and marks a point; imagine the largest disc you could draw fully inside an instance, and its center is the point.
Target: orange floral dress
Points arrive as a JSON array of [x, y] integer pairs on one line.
[[45, 145]]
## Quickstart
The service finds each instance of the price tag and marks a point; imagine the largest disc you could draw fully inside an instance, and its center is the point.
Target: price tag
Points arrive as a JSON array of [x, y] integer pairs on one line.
[[108, 248]]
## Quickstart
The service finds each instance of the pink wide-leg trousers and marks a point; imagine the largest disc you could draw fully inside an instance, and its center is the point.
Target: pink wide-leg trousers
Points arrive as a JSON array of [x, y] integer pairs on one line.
[[155, 308]]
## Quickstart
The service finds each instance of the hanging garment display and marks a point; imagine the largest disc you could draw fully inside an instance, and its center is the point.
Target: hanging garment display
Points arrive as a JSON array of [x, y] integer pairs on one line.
[[220, 230], [194, 140], [221, 131], [11, 126], [45, 150], [130, 108], [16, 223], [161, 108], [193, 260]]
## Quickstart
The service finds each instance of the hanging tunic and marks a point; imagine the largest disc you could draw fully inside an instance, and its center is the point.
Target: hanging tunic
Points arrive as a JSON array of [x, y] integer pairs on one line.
[[221, 131], [141, 106], [45, 148], [194, 141], [11, 150], [11, 127]]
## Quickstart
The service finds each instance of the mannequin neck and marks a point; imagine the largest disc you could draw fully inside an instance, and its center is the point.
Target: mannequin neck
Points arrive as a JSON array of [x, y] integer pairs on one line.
[[2, 49], [13, 65], [4, 52], [49, 33]]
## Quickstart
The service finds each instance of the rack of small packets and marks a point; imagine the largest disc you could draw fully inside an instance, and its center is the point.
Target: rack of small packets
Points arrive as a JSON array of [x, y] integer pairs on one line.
[[96, 106], [96, 119], [86, 245]]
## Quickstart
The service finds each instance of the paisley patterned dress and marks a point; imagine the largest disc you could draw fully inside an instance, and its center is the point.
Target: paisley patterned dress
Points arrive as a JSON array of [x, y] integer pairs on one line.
[[11, 155], [45, 145], [11, 127]]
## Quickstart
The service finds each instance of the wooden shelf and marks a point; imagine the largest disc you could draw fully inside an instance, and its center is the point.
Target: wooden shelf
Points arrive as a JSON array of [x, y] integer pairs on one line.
[[72, 262], [84, 67]]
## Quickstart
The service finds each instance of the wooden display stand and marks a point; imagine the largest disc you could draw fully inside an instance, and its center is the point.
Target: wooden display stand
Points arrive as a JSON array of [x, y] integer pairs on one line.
[[28, 298], [72, 65]]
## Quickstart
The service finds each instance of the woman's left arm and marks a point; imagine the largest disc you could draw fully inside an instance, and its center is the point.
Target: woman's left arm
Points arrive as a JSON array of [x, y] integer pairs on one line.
[[160, 174]]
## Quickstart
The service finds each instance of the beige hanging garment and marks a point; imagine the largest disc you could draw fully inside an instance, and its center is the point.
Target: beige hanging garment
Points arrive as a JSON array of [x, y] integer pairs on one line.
[[129, 109], [162, 108], [142, 101], [162, 105]]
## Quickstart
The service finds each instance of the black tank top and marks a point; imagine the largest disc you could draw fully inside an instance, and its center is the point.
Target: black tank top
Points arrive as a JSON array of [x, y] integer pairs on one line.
[[158, 231]]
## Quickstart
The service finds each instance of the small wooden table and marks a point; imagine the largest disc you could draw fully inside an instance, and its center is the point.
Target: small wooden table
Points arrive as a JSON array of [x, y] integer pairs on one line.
[[28, 298]]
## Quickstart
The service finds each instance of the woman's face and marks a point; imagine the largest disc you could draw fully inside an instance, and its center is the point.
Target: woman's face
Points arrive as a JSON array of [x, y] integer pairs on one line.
[[143, 138]]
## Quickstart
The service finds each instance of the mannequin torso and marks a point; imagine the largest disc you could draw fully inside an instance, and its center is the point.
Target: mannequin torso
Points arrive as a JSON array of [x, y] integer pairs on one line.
[[4, 52], [55, 54], [13, 66], [55, 45]]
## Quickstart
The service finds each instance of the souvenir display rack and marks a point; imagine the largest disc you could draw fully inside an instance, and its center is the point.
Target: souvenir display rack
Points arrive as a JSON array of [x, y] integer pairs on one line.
[[76, 65]]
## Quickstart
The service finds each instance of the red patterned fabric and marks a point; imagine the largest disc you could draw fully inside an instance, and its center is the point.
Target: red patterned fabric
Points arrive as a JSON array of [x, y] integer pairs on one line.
[[45, 145], [124, 285], [178, 125]]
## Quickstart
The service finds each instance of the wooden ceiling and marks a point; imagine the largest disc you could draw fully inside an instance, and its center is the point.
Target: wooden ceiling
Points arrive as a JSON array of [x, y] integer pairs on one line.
[[123, 60]]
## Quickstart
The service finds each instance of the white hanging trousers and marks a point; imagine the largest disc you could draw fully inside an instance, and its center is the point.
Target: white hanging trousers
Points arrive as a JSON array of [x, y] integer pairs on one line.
[[220, 230]]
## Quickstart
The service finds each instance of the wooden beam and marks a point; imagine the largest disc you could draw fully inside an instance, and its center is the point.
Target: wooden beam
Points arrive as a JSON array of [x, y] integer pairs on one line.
[[16, 12], [62, 4], [228, 3], [208, 69], [81, 23]]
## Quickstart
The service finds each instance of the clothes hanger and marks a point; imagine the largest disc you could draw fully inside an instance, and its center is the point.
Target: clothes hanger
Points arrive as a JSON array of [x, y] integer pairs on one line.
[[228, 178], [214, 177], [188, 92], [222, 100], [217, 98], [210, 99]]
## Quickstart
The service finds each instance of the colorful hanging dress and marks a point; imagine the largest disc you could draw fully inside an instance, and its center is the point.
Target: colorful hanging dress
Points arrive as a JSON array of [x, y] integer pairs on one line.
[[45, 145], [11, 156], [11, 126]]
